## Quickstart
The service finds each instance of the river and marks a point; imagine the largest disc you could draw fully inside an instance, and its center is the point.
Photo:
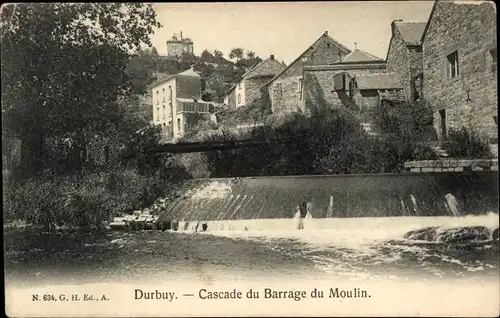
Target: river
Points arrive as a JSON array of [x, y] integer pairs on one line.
[[353, 248]]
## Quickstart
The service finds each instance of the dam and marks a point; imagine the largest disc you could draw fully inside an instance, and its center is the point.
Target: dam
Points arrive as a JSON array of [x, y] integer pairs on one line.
[[271, 203]]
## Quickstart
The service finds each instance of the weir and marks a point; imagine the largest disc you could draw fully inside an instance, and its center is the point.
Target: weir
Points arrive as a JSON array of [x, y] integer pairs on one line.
[[272, 202]]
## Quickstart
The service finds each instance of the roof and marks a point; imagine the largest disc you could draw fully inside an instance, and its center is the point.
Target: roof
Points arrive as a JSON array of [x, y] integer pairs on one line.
[[268, 67], [162, 80], [359, 56], [378, 81], [313, 47], [189, 72], [411, 31]]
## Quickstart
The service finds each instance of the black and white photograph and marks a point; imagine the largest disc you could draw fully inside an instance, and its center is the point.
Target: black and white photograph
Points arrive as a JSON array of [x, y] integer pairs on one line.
[[250, 159]]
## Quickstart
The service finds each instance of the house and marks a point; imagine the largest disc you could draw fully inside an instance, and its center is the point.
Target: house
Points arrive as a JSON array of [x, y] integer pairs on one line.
[[285, 89], [355, 82], [177, 46], [230, 97], [404, 56], [177, 104], [460, 66], [248, 88]]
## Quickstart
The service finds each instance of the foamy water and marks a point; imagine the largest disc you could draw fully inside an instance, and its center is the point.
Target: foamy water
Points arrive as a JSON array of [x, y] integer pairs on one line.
[[345, 246]]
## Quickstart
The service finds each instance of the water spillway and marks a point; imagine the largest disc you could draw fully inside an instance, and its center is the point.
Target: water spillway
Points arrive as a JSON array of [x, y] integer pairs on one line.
[[255, 199]]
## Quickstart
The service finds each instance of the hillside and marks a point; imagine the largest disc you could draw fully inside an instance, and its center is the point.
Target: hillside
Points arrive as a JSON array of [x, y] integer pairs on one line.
[[217, 73]]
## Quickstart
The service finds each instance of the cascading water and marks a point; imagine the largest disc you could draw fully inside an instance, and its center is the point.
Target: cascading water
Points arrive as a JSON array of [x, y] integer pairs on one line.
[[267, 203]]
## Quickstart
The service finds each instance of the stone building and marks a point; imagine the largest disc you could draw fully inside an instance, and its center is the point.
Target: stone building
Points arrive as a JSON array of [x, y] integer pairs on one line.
[[404, 56], [285, 89], [177, 104], [178, 45], [460, 66], [248, 89], [354, 82]]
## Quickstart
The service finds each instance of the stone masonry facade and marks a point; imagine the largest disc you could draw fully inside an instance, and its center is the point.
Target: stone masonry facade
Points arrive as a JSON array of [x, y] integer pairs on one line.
[[468, 99], [285, 91], [319, 90], [404, 60], [252, 88]]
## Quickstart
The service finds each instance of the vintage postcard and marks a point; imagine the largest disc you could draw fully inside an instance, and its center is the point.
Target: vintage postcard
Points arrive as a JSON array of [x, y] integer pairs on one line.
[[250, 159]]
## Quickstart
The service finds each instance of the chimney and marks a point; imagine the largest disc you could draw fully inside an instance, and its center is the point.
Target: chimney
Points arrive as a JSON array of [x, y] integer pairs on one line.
[[272, 57], [393, 26], [326, 32]]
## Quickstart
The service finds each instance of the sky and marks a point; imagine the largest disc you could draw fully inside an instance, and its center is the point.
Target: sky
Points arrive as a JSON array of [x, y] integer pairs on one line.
[[284, 29]]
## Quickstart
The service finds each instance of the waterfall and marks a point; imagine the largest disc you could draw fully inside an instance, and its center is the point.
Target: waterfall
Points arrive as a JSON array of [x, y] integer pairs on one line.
[[452, 203], [268, 203]]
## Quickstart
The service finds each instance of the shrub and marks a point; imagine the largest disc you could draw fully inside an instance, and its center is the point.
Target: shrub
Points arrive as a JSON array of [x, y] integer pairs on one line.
[[465, 143]]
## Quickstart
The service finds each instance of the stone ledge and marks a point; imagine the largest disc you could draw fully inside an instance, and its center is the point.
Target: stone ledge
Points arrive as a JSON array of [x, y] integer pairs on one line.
[[448, 165]]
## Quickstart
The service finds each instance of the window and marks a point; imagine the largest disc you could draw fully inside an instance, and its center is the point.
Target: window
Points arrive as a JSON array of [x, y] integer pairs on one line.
[[493, 53], [442, 116], [239, 85], [328, 45], [417, 49], [106, 154], [178, 125], [170, 94], [304, 59], [299, 84], [351, 89], [495, 119], [239, 98], [453, 70]]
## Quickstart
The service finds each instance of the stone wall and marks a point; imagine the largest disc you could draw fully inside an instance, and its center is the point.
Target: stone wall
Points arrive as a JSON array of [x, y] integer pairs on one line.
[[416, 67], [319, 90], [283, 92], [252, 88], [285, 96], [452, 165], [469, 99], [398, 60]]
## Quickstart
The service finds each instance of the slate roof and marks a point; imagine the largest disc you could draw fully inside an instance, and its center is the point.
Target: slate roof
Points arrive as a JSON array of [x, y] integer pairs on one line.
[[359, 56], [378, 81], [411, 31], [269, 67], [163, 78]]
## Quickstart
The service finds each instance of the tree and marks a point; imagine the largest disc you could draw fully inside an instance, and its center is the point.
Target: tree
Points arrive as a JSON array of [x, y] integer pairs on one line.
[[206, 56], [218, 54], [63, 67], [250, 55], [236, 53], [154, 51]]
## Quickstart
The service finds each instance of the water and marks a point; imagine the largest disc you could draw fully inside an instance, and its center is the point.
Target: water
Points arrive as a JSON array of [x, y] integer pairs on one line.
[[337, 196], [352, 248]]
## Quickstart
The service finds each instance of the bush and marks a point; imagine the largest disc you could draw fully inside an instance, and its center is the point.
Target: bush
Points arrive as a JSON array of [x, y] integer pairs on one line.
[[464, 143], [95, 199], [328, 142]]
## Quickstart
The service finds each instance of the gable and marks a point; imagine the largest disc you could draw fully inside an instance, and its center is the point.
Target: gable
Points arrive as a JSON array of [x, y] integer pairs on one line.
[[411, 32], [319, 44], [267, 68]]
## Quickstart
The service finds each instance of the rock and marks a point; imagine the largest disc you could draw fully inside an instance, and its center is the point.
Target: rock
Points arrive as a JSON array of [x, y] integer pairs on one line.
[[468, 233], [495, 234], [423, 234]]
